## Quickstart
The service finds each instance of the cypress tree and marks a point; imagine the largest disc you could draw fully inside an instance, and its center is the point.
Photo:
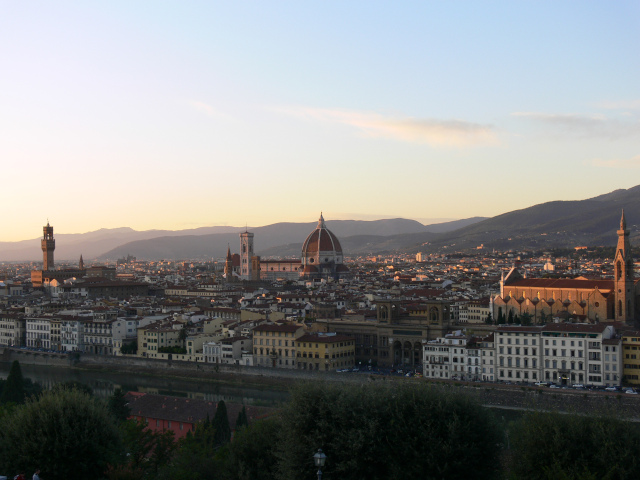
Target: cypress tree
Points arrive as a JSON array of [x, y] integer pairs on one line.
[[13, 391], [221, 424], [118, 405], [242, 421]]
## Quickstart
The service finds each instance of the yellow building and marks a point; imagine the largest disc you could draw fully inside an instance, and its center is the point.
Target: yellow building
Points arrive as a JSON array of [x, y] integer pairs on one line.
[[631, 357], [324, 351], [274, 345], [155, 336]]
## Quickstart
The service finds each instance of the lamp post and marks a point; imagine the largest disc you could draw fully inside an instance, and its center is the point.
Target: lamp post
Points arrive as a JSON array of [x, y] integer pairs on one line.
[[319, 458]]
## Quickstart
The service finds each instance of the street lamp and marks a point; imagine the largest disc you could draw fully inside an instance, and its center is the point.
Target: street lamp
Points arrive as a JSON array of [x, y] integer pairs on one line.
[[319, 458]]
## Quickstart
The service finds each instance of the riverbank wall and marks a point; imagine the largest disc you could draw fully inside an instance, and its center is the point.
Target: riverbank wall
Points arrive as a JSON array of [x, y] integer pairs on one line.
[[490, 394]]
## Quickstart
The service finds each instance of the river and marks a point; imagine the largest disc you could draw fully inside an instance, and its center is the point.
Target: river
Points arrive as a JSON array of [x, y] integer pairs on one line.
[[104, 384]]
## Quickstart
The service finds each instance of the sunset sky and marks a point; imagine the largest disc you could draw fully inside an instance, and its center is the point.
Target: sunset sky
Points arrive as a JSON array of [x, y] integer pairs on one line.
[[174, 115]]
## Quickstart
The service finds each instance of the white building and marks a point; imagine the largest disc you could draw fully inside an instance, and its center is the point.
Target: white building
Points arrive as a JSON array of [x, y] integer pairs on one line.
[[124, 330], [445, 357], [71, 334], [612, 361], [518, 353], [98, 336], [562, 353], [38, 332], [487, 353]]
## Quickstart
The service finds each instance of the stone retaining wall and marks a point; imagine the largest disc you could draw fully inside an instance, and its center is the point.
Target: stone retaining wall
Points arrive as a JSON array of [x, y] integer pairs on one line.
[[497, 395]]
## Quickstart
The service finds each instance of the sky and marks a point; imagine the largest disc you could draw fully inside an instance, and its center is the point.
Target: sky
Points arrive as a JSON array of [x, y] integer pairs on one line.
[[175, 115]]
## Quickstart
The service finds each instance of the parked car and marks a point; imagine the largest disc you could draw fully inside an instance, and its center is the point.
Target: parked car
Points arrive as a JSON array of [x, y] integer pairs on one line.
[[611, 389], [631, 392], [553, 385]]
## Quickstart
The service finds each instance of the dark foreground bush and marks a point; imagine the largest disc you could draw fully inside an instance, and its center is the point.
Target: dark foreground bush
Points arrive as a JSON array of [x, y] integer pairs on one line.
[[65, 433], [387, 432], [559, 446]]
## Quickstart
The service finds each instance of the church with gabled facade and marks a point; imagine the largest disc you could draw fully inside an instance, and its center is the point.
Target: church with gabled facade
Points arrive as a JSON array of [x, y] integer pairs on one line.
[[575, 299]]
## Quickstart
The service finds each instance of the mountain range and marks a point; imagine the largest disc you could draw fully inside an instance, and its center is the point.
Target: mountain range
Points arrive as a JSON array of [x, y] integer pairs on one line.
[[590, 222]]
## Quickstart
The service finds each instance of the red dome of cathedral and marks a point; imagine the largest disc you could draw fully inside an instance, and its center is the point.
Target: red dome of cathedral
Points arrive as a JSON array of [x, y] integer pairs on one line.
[[321, 240], [322, 254]]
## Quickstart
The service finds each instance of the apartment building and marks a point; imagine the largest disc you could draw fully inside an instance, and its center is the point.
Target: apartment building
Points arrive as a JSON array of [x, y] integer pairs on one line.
[[574, 353], [631, 352], [12, 330], [488, 357], [325, 351], [446, 357], [71, 334], [98, 336], [274, 345], [518, 353], [38, 332]]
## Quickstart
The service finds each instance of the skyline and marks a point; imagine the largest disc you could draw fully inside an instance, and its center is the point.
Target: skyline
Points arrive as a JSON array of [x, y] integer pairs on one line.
[[170, 116]]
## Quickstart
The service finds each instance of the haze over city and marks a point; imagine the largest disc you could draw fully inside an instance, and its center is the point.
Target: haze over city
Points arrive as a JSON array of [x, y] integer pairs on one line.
[[172, 116]]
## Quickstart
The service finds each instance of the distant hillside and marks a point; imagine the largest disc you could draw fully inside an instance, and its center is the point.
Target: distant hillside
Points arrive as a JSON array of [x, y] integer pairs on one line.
[[590, 222], [92, 244], [268, 239], [553, 224]]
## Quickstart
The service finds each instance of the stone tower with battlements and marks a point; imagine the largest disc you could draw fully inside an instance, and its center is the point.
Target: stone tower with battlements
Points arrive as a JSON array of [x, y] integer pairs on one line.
[[48, 244]]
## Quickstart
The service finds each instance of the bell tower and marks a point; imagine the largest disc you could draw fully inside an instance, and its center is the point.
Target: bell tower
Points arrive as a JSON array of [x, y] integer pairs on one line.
[[48, 244], [623, 275], [246, 252]]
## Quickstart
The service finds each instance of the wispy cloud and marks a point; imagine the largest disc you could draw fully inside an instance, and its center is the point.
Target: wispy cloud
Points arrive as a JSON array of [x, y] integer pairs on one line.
[[620, 105], [205, 108], [446, 133], [583, 125], [626, 163]]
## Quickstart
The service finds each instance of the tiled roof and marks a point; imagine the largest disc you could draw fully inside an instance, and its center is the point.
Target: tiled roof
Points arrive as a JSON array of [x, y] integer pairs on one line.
[[574, 327], [562, 283], [186, 410], [324, 338]]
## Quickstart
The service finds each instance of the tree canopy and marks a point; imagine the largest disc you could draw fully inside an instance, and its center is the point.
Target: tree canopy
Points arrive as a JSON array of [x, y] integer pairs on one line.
[[66, 433], [377, 431]]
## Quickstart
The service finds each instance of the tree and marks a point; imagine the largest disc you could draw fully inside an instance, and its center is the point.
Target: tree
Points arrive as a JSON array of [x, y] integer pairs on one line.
[[196, 457], [574, 447], [129, 348], [118, 405], [182, 336], [242, 421], [380, 431], [252, 454], [543, 318], [510, 317], [13, 391], [73, 384], [65, 432], [489, 319], [221, 424], [525, 319]]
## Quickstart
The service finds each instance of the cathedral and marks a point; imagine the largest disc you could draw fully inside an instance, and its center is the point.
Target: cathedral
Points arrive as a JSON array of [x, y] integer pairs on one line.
[[321, 259], [580, 299]]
